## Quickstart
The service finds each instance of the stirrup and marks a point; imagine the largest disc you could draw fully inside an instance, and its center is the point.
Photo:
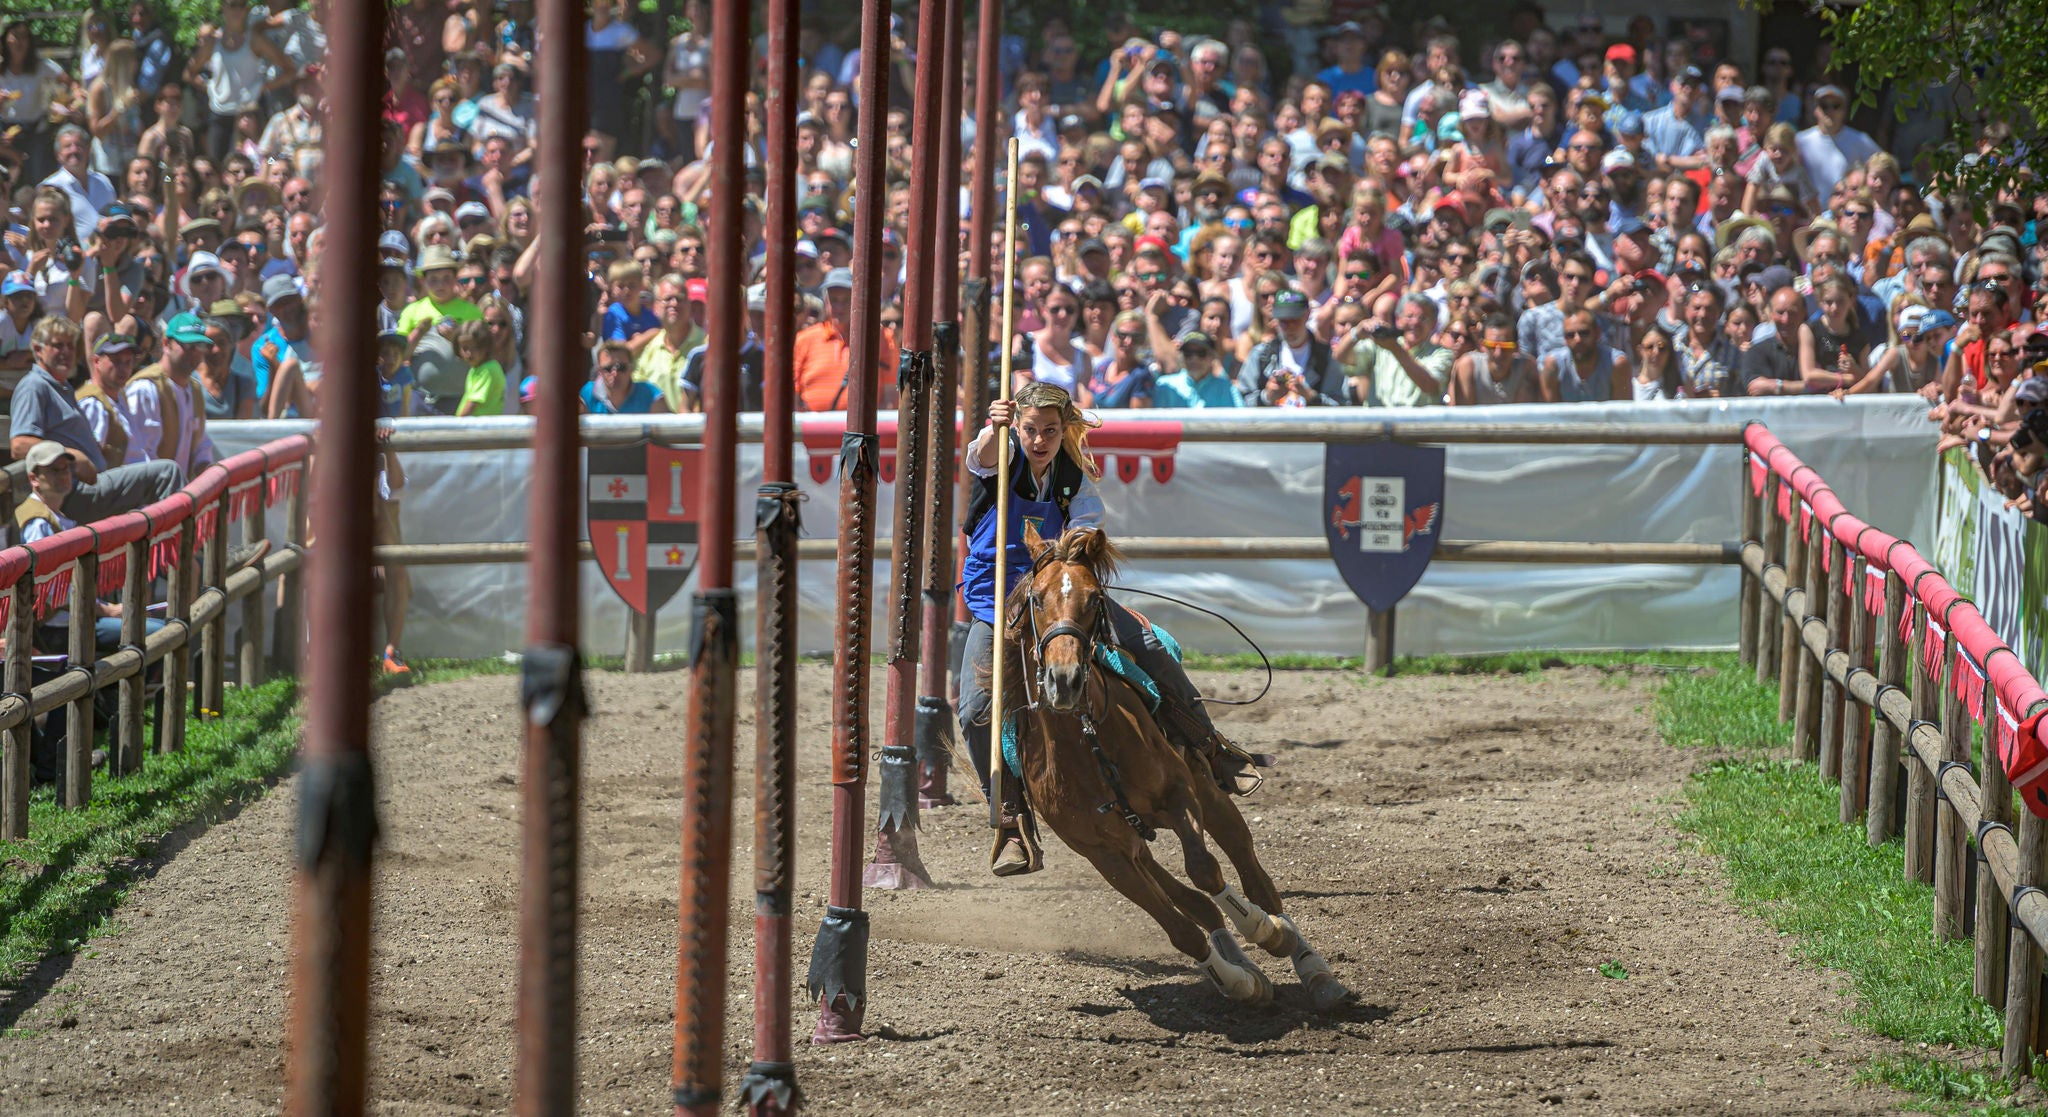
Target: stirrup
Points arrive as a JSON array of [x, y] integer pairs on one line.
[[1235, 770], [1016, 850]]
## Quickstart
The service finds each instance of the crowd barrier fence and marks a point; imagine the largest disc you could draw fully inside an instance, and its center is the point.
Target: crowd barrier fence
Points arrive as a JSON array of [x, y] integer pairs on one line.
[[1883, 666]]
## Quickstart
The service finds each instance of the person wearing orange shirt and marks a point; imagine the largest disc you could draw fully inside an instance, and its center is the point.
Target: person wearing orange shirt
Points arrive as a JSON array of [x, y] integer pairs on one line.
[[822, 352]]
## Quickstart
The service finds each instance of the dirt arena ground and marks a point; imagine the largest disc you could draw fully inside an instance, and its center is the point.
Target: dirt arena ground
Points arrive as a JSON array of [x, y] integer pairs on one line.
[[1466, 850]]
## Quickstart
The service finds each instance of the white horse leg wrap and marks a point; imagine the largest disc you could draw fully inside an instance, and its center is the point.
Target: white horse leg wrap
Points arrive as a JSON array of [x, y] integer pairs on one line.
[[1232, 972], [1324, 990], [1257, 927]]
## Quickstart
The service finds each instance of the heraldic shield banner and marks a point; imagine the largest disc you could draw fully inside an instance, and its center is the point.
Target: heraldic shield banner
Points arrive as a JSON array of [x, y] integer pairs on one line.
[[1383, 509], [640, 506]]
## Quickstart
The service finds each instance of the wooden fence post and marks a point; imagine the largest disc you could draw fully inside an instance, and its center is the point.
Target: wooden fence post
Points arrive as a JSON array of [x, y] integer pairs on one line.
[[178, 664], [1379, 642], [249, 649], [1771, 610], [2023, 969], [1992, 912], [134, 612], [1788, 628], [1806, 703], [213, 664], [1882, 820], [1830, 713], [639, 642], [1919, 780], [17, 771], [83, 649], [1748, 600], [1951, 844], [1852, 720], [291, 633]]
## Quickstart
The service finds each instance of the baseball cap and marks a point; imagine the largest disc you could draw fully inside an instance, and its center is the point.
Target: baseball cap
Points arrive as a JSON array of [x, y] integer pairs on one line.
[[1691, 76], [1473, 103], [1196, 339], [42, 454], [757, 297], [1619, 157], [394, 242], [1092, 245], [114, 343], [2033, 389], [839, 279], [1348, 27], [697, 290], [16, 283], [438, 194], [467, 210], [1290, 305], [807, 249], [1827, 91], [1914, 318], [1154, 243], [1732, 93], [198, 225], [1154, 184], [1622, 52], [1938, 320], [1631, 227], [187, 329], [1072, 121], [1515, 218], [1085, 182], [278, 288], [1628, 122], [813, 203]]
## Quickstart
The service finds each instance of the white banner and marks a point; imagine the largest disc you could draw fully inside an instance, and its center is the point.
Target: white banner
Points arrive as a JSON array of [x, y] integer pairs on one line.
[[1876, 451]]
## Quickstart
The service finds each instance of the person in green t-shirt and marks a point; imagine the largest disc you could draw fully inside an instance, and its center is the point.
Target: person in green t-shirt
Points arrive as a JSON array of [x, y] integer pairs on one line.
[[440, 303], [483, 393]]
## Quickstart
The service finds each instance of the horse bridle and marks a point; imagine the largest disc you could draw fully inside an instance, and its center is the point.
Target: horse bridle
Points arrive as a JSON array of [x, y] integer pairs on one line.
[[1084, 713]]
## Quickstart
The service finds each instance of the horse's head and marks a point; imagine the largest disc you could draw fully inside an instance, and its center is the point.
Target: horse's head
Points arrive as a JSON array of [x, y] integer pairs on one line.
[[1063, 611]]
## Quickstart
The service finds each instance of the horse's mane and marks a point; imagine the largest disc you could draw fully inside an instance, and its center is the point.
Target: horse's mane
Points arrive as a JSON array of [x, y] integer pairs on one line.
[[1090, 547]]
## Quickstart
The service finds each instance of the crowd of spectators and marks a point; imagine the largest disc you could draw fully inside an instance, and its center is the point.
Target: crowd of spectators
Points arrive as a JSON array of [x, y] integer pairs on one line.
[[1320, 209]]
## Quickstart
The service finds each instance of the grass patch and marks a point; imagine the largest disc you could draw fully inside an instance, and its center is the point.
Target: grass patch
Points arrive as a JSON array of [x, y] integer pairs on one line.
[[59, 887], [1773, 824]]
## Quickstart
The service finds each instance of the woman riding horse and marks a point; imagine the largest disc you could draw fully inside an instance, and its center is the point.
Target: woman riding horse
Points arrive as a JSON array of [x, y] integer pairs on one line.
[[1052, 487]]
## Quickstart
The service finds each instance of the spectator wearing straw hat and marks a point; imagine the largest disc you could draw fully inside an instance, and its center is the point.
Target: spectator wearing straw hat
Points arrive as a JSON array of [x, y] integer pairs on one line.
[[166, 407], [439, 303], [45, 408]]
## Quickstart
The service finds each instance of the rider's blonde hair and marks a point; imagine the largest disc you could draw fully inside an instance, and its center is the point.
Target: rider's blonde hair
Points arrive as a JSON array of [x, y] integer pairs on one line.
[[1074, 423]]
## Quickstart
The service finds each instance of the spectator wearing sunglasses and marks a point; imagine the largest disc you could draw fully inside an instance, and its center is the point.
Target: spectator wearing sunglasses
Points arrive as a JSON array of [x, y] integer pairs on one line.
[[1497, 371], [613, 391]]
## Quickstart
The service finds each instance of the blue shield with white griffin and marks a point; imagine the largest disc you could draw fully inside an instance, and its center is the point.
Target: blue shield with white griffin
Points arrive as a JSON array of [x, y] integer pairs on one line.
[[1383, 510]]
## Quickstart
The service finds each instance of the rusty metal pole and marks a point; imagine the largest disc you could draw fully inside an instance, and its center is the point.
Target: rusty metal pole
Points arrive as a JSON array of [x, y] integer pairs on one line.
[[988, 144], [839, 957], [329, 1016], [703, 913], [551, 679], [897, 865], [933, 733], [770, 1089]]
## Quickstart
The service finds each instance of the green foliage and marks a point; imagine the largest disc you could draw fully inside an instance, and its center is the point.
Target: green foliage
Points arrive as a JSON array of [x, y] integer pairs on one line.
[[1612, 968], [1988, 59], [59, 887]]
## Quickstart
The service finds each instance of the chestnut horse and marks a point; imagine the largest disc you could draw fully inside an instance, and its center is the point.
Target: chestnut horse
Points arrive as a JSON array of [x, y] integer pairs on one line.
[[1097, 769]]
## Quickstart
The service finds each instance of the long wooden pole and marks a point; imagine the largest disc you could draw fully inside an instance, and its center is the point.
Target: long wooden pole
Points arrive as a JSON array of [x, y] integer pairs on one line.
[[995, 684]]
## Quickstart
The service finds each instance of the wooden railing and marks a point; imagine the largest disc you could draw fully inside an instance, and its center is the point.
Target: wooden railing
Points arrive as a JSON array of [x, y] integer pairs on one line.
[[183, 540], [1882, 666]]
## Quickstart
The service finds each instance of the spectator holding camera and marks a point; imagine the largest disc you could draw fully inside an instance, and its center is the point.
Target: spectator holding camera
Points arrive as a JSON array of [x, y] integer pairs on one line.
[[1293, 367]]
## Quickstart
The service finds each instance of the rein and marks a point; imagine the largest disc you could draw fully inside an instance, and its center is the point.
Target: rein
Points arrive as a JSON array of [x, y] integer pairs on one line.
[[1090, 732]]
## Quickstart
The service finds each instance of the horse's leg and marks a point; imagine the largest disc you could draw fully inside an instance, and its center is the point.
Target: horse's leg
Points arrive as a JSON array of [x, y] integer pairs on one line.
[[1214, 951], [1258, 916]]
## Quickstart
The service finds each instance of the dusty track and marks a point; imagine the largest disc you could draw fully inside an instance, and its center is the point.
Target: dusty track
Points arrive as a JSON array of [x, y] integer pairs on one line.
[[1465, 850]]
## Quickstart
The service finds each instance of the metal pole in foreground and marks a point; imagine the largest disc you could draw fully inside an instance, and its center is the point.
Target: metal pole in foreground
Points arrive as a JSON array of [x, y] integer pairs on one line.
[[839, 958], [769, 1088], [702, 913], [897, 864], [988, 139], [933, 734], [329, 1022], [551, 679]]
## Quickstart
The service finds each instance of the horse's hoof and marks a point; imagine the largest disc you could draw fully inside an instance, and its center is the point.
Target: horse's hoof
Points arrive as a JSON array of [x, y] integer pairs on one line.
[[1326, 992]]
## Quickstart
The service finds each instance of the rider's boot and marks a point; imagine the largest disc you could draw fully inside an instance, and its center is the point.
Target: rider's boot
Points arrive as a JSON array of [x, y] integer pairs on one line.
[[1234, 769], [1013, 855]]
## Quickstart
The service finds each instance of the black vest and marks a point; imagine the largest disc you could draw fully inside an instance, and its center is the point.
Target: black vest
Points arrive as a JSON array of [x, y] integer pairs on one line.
[[1062, 482]]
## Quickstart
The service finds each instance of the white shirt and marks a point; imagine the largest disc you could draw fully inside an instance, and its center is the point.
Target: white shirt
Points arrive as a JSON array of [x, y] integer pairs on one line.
[[1828, 158], [88, 198], [98, 415], [146, 426]]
